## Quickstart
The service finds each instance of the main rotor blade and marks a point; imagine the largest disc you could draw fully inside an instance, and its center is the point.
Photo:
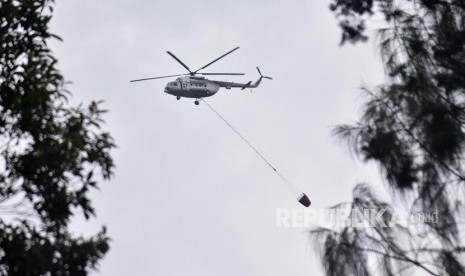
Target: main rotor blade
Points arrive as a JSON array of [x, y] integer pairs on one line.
[[231, 74], [159, 77], [216, 59], [178, 60]]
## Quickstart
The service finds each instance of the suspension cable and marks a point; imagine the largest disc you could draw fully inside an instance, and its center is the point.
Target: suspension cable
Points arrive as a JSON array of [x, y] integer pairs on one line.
[[285, 180]]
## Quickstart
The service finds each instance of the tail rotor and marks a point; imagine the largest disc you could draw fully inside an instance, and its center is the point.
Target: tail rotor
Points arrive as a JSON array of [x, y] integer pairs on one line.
[[265, 77]]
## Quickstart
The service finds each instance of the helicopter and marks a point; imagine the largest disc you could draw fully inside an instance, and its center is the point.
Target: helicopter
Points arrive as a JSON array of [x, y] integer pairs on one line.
[[195, 85]]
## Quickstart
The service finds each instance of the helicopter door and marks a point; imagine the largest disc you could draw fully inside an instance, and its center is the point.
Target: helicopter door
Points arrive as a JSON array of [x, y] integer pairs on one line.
[[183, 85]]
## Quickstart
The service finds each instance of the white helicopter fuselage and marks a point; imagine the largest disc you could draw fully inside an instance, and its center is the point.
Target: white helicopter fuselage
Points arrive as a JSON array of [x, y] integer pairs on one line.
[[192, 87], [199, 87]]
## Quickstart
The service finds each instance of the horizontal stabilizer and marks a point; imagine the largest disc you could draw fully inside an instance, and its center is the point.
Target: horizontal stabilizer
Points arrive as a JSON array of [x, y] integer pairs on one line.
[[246, 85]]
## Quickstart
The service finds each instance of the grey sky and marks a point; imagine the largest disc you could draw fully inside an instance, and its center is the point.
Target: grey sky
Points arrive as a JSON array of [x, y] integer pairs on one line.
[[189, 197]]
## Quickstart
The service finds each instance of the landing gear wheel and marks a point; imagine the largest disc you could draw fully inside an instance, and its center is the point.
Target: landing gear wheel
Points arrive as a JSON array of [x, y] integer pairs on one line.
[[196, 102], [178, 98]]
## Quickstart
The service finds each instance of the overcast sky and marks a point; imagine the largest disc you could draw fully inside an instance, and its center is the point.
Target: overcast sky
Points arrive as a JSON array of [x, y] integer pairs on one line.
[[189, 197]]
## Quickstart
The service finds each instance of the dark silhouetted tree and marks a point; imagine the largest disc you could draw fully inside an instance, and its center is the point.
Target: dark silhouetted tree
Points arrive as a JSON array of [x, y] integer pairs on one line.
[[51, 154], [413, 127]]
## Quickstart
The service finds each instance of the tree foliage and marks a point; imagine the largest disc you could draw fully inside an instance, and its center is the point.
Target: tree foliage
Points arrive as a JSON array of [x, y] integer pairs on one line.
[[413, 127], [51, 153]]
